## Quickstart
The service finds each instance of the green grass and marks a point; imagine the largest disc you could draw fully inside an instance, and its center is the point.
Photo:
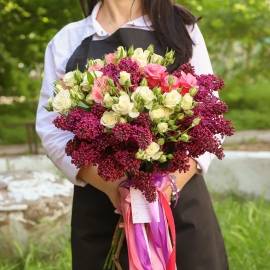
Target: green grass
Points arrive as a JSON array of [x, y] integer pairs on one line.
[[245, 225], [246, 229]]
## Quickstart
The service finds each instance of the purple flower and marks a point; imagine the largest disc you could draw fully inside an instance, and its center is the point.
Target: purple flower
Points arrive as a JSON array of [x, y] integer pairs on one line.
[[133, 68], [111, 71]]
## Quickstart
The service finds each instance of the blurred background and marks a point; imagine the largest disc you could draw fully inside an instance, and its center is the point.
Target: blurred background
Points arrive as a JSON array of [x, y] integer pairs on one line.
[[35, 199]]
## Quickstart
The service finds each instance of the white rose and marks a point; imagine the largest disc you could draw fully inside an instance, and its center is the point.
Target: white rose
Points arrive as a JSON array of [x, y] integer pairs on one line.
[[187, 102], [69, 79], [124, 78], [108, 100], [125, 106], [62, 102], [162, 127], [156, 59], [152, 151], [141, 56], [171, 99], [159, 114], [109, 119], [140, 154], [134, 114], [145, 93]]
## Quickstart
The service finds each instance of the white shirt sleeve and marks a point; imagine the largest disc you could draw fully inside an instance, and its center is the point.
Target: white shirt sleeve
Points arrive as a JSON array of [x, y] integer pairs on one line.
[[202, 64], [53, 139]]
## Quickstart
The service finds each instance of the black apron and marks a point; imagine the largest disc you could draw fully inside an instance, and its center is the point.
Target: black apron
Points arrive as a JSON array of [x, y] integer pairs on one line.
[[200, 244]]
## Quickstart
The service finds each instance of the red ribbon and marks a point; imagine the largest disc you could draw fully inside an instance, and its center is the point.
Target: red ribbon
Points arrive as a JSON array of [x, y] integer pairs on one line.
[[168, 212]]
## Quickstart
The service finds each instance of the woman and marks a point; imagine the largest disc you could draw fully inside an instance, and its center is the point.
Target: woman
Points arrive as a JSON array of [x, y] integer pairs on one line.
[[109, 24]]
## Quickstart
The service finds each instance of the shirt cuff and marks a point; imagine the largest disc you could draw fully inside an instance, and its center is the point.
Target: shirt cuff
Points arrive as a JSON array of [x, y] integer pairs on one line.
[[203, 162], [70, 171]]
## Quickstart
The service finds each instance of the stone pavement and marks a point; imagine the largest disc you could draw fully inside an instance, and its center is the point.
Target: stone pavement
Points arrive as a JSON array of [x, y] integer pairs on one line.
[[249, 136]]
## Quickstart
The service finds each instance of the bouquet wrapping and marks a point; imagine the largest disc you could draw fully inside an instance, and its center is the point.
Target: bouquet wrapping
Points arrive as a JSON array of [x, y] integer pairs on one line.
[[132, 118]]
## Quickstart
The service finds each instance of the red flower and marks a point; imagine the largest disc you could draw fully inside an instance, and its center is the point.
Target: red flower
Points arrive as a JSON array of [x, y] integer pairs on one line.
[[154, 74], [169, 83]]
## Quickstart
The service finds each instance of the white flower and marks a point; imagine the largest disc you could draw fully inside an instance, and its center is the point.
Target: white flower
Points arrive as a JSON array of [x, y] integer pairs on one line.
[[187, 102], [124, 78], [108, 100], [58, 87], [75, 92], [121, 52], [96, 73], [125, 106], [162, 127], [160, 113], [85, 84], [171, 99], [122, 120], [69, 79], [153, 151], [62, 101], [141, 56], [146, 94], [156, 59], [109, 119], [99, 62]]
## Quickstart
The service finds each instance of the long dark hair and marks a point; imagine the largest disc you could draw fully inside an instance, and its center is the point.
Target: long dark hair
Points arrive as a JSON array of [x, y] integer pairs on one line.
[[169, 21]]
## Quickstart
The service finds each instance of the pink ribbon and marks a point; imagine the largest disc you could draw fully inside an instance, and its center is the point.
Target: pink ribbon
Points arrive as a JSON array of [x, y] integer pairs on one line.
[[150, 246]]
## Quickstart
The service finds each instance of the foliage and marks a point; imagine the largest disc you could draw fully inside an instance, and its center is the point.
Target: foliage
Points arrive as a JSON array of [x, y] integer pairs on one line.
[[244, 223], [28, 27], [249, 104], [12, 122], [237, 34]]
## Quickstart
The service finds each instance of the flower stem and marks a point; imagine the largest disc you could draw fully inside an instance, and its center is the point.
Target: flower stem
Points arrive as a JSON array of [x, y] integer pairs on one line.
[[112, 259]]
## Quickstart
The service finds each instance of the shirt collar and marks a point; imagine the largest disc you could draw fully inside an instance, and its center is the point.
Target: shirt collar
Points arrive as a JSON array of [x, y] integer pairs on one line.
[[140, 22]]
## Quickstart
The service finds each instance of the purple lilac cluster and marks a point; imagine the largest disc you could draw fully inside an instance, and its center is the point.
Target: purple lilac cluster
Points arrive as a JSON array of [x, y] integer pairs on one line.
[[130, 66]]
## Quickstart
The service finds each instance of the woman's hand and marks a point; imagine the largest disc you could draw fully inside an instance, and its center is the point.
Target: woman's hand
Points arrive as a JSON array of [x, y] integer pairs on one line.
[[90, 176], [113, 192], [182, 178]]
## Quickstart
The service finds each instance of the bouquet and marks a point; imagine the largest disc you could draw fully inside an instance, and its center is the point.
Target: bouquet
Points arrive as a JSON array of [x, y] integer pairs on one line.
[[131, 117]]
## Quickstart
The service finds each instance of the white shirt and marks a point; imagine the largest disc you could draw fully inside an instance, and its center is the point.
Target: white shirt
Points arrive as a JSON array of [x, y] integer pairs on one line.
[[58, 52]]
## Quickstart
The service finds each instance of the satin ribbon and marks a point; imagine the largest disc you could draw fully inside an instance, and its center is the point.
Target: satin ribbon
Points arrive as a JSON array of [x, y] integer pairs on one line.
[[150, 246], [168, 212]]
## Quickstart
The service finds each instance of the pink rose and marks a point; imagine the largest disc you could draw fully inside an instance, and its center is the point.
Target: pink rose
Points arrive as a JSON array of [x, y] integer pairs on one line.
[[169, 83], [187, 81], [110, 58], [154, 74], [99, 88]]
